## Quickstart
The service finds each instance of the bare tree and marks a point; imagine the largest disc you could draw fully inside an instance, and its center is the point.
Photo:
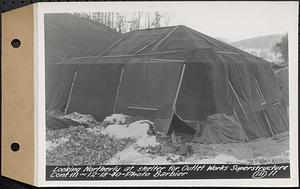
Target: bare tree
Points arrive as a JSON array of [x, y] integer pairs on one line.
[[156, 21], [124, 22]]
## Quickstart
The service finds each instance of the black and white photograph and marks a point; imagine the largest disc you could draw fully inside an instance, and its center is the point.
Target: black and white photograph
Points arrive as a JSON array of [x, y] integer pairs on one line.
[[201, 84]]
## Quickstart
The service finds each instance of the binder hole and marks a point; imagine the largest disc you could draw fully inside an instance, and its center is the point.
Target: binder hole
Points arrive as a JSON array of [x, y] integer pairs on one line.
[[15, 147], [16, 43]]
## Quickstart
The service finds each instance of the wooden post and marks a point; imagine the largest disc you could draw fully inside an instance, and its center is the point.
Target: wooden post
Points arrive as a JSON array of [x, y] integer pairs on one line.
[[146, 46], [261, 96], [164, 38], [70, 93], [282, 117], [238, 101], [268, 123], [244, 132], [111, 46], [178, 88], [119, 85]]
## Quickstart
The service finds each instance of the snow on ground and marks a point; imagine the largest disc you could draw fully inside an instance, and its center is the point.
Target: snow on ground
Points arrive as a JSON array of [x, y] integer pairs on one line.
[[221, 158], [136, 129], [131, 155], [116, 119], [260, 151]]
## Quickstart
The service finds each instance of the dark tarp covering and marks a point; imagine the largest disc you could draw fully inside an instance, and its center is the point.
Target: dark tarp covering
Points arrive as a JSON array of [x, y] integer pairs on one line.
[[217, 78], [139, 41], [203, 87], [196, 97], [257, 89], [58, 80], [283, 79], [221, 128], [149, 89], [67, 35], [95, 89]]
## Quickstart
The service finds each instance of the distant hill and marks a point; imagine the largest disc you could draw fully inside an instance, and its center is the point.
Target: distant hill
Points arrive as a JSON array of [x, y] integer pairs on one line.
[[261, 47], [261, 42], [67, 35]]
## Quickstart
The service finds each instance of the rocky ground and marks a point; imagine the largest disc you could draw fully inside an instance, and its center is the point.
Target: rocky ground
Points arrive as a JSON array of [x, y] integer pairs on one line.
[[122, 139]]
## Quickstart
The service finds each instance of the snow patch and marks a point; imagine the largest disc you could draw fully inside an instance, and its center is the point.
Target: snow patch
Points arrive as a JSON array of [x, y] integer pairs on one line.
[[131, 154], [117, 119], [135, 130]]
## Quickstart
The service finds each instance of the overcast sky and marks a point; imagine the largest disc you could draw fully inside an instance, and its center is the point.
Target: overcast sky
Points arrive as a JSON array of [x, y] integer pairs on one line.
[[236, 20], [231, 20]]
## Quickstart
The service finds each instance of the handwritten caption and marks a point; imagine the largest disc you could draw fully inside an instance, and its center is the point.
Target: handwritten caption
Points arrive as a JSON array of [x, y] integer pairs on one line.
[[161, 171]]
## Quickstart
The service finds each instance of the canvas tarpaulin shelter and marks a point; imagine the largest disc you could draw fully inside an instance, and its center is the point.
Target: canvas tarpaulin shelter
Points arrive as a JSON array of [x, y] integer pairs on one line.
[[171, 73]]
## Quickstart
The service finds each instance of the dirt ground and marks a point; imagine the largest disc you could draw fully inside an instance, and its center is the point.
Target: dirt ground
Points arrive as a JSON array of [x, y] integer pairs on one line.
[[260, 151]]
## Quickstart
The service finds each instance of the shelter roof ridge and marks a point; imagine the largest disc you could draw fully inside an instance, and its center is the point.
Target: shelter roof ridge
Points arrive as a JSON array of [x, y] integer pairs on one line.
[[165, 27]]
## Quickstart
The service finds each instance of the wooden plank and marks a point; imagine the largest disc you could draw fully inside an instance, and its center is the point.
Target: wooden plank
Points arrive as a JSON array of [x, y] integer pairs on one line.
[[282, 117], [70, 94], [146, 46], [268, 123], [226, 52], [142, 108], [111, 46], [276, 103], [261, 96], [235, 94], [243, 130], [178, 88], [79, 57], [161, 41], [143, 54], [281, 70], [166, 60], [126, 55], [118, 90]]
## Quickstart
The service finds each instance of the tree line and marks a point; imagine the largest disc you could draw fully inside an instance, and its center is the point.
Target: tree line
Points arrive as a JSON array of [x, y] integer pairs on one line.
[[282, 48], [125, 22]]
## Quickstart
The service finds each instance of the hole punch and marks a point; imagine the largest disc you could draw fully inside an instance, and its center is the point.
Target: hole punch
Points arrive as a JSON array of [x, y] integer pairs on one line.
[[15, 147], [16, 43]]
